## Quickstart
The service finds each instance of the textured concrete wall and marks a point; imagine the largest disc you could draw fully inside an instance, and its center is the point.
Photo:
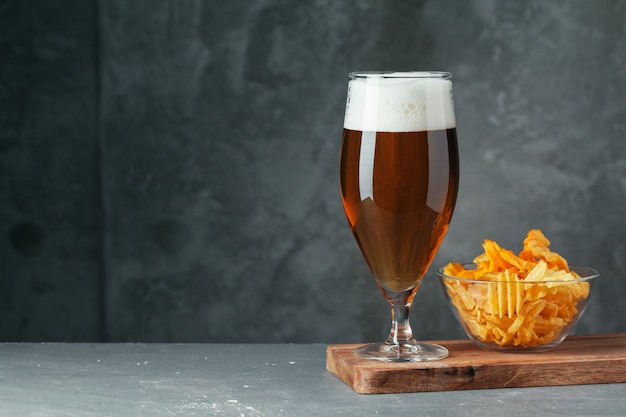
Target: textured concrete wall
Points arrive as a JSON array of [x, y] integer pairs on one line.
[[168, 170], [50, 199]]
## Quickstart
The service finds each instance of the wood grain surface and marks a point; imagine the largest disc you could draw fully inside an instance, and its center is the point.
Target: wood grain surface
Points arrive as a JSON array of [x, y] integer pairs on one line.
[[588, 359]]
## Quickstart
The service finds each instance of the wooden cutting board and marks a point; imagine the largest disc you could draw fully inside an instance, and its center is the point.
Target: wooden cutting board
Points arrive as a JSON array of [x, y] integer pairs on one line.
[[590, 359]]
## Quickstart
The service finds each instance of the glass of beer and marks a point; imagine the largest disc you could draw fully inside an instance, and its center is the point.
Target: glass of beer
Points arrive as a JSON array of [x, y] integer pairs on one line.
[[399, 175]]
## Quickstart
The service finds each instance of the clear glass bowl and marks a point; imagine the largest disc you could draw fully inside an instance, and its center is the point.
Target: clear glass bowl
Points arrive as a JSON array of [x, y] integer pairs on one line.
[[517, 316]]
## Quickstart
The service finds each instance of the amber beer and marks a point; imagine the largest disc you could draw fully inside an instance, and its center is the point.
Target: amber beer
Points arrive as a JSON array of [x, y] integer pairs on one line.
[[399, 176], [399, 203]]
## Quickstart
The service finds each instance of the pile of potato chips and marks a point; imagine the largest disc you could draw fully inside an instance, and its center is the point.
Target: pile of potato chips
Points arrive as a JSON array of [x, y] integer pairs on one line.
[[520, 300]]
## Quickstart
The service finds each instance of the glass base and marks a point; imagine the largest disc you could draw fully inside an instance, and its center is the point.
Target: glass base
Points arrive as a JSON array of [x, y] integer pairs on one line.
[[405, 352]]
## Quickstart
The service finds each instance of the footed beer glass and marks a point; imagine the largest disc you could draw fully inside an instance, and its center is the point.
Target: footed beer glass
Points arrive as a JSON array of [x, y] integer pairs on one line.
[[399, 175]]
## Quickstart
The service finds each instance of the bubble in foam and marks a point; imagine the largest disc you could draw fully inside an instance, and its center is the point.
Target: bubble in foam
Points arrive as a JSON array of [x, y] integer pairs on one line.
[[399, 102]]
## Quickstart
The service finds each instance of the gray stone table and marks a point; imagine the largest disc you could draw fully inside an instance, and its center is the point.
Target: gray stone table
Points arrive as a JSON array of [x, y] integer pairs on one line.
[[243, 380]]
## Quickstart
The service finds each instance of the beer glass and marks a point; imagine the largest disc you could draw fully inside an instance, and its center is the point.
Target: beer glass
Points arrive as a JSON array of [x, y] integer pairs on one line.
[[399, 174]]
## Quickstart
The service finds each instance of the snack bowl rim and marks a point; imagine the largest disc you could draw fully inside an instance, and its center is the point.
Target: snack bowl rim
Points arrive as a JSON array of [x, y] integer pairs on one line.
[[591, 274]]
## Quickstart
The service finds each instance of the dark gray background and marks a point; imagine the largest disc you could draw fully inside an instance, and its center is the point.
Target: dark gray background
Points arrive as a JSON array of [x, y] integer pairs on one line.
[[168, 169]]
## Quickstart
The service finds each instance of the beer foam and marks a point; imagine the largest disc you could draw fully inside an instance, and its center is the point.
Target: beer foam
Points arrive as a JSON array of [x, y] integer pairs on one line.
[[391, 103]]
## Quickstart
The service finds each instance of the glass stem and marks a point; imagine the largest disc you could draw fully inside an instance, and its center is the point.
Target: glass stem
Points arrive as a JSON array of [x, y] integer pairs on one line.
[[401, 332]]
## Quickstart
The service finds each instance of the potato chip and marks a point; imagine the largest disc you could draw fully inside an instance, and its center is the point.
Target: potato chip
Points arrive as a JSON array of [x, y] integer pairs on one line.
[[519, 300]]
